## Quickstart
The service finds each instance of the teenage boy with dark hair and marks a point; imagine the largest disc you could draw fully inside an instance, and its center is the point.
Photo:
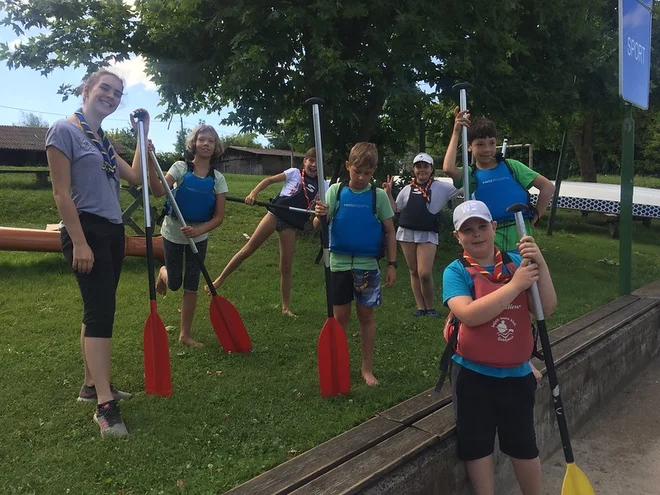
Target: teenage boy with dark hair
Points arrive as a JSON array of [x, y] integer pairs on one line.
[[497, 182]]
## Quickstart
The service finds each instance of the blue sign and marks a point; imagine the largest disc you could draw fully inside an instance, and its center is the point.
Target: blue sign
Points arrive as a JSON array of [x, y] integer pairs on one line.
[[635, 51]]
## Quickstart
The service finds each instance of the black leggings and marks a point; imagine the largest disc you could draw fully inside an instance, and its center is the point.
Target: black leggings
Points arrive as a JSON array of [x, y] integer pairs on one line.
[[174, 262], [99, 287]]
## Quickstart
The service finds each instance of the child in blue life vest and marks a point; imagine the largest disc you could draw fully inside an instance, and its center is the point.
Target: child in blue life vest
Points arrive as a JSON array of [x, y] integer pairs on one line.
[[497, 182], [300, 190], [200, 194], [419, 204], [359, 216], [493, 384]]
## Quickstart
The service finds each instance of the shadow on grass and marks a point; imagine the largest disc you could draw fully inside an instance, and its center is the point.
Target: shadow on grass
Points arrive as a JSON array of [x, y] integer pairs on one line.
[[38, 266]]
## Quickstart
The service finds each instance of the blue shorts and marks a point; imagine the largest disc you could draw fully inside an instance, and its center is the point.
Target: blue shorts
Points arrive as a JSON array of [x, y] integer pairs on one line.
[[361, 285]]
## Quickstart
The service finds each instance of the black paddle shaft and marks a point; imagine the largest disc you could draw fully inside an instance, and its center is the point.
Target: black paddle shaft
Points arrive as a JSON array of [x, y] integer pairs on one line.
[[271, 205], [140, 115], [517, 209]]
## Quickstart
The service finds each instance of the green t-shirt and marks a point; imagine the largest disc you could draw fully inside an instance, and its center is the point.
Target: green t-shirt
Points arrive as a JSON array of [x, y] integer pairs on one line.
[[506, 236], [342, 262]]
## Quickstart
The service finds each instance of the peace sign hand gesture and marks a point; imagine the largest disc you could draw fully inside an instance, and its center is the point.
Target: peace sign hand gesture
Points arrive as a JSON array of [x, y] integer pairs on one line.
[[387, 185]]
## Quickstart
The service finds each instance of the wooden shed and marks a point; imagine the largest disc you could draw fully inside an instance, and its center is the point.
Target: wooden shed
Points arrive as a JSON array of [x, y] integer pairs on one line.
[[25, 146], [259, 161]]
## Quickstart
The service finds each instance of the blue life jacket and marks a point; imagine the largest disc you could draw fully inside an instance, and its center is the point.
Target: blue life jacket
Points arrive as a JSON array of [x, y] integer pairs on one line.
[[355, 228], [195, 197], [499, 189]]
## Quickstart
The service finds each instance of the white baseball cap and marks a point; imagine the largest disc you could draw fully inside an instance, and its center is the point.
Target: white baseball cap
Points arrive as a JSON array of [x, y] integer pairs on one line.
[[423, 157], [471, 209]]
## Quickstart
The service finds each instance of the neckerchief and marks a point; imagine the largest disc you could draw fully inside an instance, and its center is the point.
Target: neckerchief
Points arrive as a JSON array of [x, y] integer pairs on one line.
[[497, 275], [104, 146], [424, 190]]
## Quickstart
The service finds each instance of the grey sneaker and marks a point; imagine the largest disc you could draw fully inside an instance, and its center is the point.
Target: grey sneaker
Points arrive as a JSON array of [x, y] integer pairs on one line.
[[108, 417], [88, 394]]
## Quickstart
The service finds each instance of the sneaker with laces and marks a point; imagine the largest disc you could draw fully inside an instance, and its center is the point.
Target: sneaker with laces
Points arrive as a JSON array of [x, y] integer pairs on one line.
[[419, 312], [433, 313], [108, 417], [88, 394]]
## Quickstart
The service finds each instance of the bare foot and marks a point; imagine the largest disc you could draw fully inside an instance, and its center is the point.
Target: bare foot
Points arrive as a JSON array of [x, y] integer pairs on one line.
[[537, 373], [369, 378], [189, 341], [161, 284], [288, 312]]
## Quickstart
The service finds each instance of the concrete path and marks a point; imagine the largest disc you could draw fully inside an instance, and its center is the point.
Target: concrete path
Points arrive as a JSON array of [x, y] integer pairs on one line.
[[619, 448]]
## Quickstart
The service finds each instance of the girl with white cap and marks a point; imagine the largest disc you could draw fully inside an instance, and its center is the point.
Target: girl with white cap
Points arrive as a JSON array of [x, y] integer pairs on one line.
[[418, 204]]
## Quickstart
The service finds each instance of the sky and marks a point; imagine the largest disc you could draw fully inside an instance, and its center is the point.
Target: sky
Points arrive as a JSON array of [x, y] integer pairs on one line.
[[26, 90]]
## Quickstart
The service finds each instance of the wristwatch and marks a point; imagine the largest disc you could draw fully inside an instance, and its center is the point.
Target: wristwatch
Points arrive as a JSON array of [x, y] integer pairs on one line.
[[393, 263]]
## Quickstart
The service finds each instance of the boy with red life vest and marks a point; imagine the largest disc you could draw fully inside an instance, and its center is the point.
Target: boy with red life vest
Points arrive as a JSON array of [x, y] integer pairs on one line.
[[360, 215], [200, 194], [497, 182], [493, 384]]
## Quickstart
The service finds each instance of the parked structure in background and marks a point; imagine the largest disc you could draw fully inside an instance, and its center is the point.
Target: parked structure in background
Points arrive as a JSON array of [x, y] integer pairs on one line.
[[259, 161], [26, 146]]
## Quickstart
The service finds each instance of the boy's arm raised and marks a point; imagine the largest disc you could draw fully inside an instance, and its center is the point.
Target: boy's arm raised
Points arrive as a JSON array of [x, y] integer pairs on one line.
[[449, 163]]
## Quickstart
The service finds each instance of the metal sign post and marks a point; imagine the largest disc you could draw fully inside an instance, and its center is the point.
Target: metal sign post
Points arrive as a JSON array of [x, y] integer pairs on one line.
[[634, 77]]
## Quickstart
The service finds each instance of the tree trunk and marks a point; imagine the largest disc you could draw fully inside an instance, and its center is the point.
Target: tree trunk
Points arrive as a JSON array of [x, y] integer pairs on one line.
[[582, 142]]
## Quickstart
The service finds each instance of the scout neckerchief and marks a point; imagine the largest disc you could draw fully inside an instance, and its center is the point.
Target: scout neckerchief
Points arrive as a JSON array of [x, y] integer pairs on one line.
[[104, 146], [497, 275], [423, 190]]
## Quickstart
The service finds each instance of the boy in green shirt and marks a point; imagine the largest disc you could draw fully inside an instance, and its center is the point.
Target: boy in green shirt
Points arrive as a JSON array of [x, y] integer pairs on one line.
[[497, 182], [359, 217]]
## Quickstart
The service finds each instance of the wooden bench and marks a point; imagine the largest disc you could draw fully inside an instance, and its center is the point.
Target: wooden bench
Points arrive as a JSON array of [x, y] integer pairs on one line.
[[410, 448], [41, 173]]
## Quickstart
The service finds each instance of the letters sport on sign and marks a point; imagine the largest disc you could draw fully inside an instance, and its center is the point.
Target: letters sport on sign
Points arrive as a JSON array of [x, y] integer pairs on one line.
[[635, 51]]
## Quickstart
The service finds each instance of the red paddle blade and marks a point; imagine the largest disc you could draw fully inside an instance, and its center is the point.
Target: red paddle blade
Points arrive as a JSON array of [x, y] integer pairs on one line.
[[228, 326], [334, 362], [157, 374]]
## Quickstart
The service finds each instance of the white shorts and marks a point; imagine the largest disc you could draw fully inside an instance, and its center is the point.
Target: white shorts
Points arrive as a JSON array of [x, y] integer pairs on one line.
[[416, 236]]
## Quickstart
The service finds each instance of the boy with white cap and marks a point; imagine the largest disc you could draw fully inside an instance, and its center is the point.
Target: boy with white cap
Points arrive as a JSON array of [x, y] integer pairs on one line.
[[493, 384], [418, 205]]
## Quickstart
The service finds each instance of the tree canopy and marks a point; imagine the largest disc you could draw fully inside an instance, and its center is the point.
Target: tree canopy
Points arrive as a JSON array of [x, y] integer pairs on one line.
[[537, 67]]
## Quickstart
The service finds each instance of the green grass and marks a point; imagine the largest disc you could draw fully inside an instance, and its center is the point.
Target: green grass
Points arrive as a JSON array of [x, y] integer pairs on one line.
[[230, 417]]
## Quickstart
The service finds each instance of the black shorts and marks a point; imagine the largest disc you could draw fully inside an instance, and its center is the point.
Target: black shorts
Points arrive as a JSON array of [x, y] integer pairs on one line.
[[281, 224], [361, 285], [99, 287], [485, 405]]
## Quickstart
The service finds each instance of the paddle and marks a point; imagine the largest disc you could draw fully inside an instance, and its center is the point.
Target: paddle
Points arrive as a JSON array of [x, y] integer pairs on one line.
[[332, 348], [225, 319], [271, 205], [575, 481], [462, 89], [157, 374]]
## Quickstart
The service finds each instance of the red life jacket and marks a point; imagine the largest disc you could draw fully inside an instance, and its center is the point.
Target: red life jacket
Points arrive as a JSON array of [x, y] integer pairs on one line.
[[506, 340]]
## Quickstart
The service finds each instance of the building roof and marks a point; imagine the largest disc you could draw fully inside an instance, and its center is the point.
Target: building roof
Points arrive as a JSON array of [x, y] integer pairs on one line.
[[265, 151], [23, 138]]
